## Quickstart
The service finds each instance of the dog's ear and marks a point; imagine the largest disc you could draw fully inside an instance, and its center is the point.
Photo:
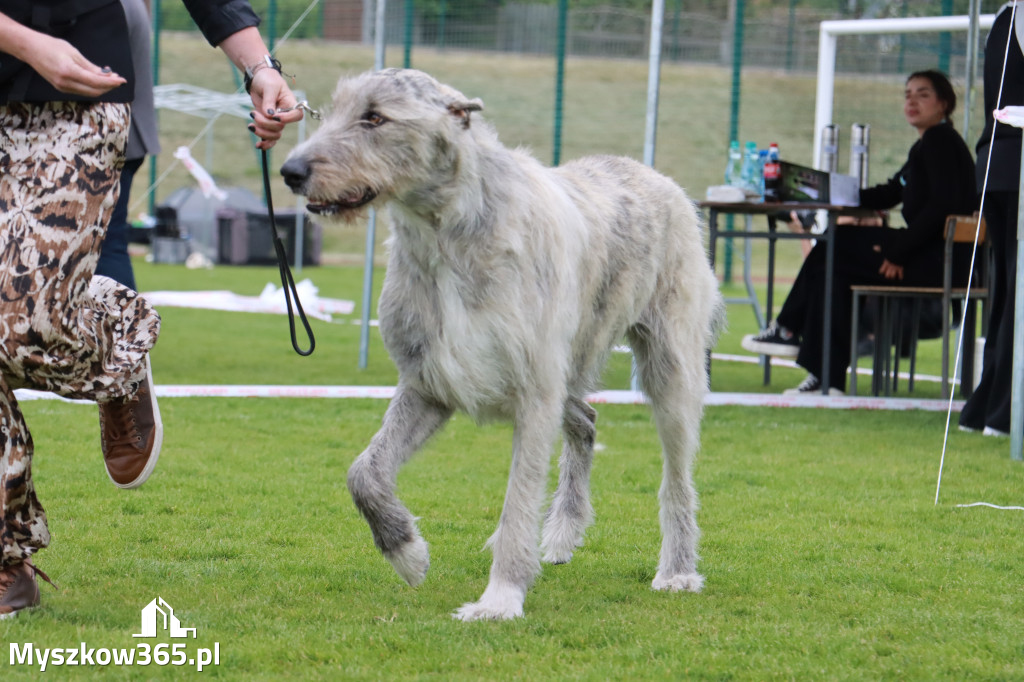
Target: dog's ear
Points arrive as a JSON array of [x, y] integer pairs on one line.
[[459, 105], [462, 108]]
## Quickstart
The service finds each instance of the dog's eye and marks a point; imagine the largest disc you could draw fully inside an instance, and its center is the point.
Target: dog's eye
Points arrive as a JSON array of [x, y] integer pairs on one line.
[[372, 119]]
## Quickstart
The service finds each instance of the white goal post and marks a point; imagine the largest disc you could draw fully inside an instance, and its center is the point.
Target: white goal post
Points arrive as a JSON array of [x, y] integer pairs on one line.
[[831, 30]]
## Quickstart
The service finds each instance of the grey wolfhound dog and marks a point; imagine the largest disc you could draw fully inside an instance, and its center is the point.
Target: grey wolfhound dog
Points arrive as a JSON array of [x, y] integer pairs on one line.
[[507, 285]]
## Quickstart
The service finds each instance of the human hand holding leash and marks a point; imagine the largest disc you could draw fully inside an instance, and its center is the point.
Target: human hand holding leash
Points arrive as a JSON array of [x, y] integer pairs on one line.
[[274, 105]]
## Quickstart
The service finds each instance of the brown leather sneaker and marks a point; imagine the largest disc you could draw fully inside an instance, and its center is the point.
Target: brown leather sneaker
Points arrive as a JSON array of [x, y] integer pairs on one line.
[[131, 434], [18, 589]]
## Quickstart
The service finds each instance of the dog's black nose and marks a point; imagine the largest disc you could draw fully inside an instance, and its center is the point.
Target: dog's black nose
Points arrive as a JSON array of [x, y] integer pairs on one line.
[[295, 172]]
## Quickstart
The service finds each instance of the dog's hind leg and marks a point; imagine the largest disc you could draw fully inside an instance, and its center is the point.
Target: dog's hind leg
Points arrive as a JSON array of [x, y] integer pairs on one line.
[[409, 422], [515, 542], [571, 513], [672, 372]]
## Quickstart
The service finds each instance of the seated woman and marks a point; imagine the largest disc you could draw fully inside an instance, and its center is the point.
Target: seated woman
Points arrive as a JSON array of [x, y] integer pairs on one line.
[[937, 180]]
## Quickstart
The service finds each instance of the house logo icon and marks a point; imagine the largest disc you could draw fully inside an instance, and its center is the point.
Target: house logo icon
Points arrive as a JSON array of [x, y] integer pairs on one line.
[[157, 613]]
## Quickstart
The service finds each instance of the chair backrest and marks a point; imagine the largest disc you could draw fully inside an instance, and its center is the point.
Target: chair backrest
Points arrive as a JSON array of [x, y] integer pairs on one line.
[[962, 228]]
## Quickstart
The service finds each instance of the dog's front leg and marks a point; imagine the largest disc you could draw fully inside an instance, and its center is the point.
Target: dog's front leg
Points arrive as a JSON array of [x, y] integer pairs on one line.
[[409, 422], [515, 542]]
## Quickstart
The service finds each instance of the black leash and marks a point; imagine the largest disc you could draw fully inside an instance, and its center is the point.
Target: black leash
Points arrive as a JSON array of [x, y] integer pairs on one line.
[[287, 282]]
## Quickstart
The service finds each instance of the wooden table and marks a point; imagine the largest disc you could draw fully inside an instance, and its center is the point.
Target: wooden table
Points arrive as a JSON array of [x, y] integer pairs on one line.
[[770, 210]]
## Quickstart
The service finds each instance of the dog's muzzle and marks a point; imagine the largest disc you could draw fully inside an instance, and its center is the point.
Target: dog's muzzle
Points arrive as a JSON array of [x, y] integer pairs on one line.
[[296, 173]]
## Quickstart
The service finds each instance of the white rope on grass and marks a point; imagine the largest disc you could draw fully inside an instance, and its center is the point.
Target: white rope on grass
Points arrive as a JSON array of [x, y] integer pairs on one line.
[[608, 397], [987, 504]]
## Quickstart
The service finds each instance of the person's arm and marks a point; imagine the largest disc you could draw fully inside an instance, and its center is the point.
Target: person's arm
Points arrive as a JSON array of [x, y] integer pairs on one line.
[[269, 90], [885, 195], [56, 60], [231, 25], [938, 187]]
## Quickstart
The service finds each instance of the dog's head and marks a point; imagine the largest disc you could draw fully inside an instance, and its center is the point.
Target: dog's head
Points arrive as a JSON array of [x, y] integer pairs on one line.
[[388, 133]]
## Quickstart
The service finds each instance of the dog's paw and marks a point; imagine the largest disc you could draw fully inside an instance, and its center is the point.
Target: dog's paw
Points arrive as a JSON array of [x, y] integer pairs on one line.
[[558, 544], [555, 557], [560, 538], [496, 603], [411, 560], [682, 582]]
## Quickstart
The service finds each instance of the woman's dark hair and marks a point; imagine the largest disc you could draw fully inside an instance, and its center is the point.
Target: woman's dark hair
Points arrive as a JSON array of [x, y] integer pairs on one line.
[[940, 83]]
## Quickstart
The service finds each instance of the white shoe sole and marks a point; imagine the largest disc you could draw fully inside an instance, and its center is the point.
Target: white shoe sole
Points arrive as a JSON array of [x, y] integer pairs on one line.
[[833, 392], [158, 437], [989, 431], [779, 350]]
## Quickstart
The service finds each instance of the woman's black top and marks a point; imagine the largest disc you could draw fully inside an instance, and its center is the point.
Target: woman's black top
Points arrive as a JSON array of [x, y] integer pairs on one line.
[[936, 181]]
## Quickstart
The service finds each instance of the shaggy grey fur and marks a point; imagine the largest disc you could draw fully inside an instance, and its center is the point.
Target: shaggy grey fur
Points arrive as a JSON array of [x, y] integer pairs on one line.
[[507, 285]]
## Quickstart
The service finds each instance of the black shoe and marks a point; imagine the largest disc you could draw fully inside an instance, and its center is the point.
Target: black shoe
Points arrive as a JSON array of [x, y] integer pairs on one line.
[[775, 340], [811, 385]]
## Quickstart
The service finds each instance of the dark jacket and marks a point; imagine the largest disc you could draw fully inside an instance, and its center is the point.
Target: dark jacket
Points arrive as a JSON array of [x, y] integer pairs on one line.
[[937, 180], [144, 138], [97, 28], [1004, 175]]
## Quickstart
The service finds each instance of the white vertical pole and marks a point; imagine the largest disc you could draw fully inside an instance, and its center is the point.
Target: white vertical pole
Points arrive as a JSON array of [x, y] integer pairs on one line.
[[651, 127], [371, 228], [826, 86], [653, 80], [1017, 373], [971, 62]]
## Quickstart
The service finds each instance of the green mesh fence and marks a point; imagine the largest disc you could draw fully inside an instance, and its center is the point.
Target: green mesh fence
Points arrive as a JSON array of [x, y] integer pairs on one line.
[[505, 53]]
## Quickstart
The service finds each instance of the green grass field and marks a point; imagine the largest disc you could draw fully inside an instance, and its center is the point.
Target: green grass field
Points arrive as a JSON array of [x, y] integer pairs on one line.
[[824, 554]]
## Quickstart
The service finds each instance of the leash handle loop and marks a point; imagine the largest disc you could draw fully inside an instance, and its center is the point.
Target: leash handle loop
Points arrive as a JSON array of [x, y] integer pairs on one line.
[[287, 281]]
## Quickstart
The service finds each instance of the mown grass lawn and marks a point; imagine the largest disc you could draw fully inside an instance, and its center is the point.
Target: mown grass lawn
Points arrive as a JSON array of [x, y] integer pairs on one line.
[[825, 556]]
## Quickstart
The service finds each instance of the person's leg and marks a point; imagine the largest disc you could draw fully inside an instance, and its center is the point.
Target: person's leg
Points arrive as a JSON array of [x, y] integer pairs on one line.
[[131, 431], [782, 337], [793, 314], [21, 516], [859, 262], [114, 261], [62, 329], [24, 521], [989, 407], [71, 333]]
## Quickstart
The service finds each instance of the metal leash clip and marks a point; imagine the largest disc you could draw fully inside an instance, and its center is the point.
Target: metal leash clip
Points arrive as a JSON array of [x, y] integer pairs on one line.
[[304, 105]]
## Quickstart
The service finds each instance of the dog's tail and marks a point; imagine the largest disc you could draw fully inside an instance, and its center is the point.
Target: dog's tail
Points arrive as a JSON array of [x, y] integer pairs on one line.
[[718, 322]]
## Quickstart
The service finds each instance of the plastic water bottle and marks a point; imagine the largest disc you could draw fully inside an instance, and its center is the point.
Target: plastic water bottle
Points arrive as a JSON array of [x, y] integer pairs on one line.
[[750, 174], [734, 165], [772, 174]]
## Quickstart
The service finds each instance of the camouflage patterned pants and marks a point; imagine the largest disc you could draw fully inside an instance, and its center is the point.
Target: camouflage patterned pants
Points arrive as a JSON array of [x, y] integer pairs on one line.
[[61, 329]]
